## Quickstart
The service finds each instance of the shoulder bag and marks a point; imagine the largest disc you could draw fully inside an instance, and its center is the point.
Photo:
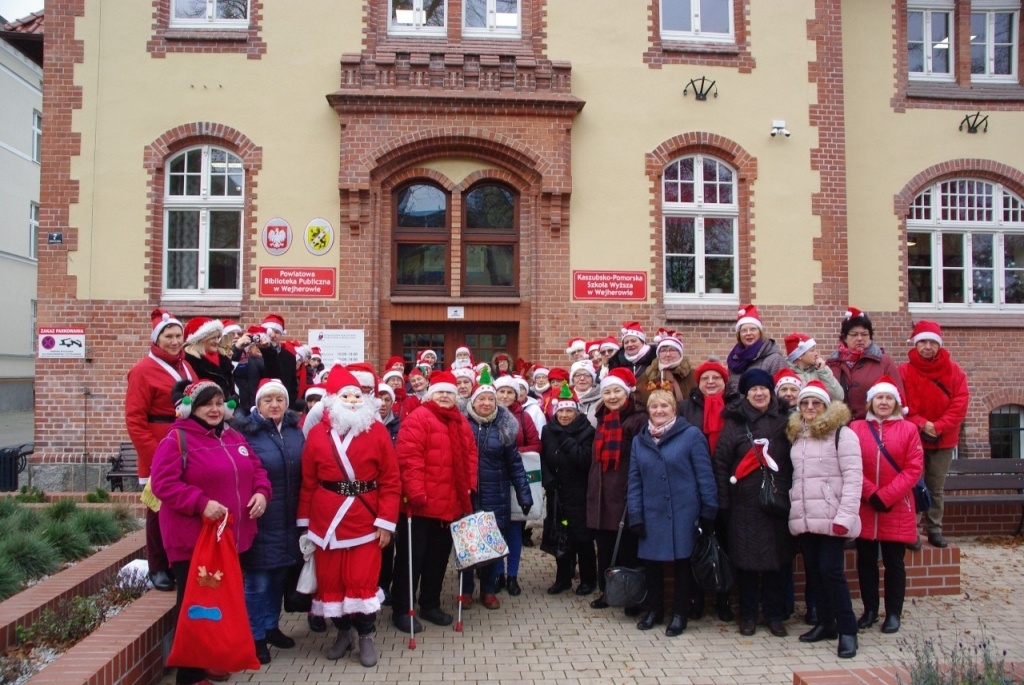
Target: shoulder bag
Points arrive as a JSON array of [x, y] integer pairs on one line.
[[922, 498], [623, 586], [773, 499]]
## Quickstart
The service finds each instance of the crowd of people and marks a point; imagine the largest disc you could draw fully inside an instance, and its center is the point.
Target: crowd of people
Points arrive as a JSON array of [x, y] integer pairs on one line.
[[780, 450]]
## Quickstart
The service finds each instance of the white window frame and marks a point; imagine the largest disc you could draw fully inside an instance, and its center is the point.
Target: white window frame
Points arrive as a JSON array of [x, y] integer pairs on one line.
[[990, 9], [934, 228], [928, 8], [696, 34], [492, 30], [33, 230], [37, 137], [416, 27], [203, 203], [210, 21], [699, 210]]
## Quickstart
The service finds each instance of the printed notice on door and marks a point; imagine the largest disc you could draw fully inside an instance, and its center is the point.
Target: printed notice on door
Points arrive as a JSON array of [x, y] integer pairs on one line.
[[609, 285]]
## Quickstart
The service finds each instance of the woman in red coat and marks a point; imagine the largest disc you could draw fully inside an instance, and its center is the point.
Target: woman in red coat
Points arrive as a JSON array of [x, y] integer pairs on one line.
[[887, 514], [858, 362], [349, 501], [148, 415]]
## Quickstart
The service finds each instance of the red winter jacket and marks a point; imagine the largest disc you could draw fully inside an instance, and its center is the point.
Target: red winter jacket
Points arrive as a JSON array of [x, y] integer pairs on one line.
[[427, 466], [149, 397], [406, 405], [856, 382], [528, 438], [926, 401], [904, 446]]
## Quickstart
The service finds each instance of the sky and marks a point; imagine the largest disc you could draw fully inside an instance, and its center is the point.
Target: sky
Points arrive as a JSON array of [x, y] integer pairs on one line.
[[16, 9]]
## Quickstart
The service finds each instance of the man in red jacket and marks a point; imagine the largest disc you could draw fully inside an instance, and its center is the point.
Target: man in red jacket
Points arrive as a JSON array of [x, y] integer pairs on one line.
[[437, 459], [937, 399]]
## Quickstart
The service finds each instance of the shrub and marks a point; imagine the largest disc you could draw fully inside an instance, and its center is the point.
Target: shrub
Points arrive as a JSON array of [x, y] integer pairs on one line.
[[98, 496], [27, 494], [67, 539], [62, 509], [125, 518], [72, 621], [10, 581], [8, 507], [99, 526], [30, 554], [932, 662], [22, 521]]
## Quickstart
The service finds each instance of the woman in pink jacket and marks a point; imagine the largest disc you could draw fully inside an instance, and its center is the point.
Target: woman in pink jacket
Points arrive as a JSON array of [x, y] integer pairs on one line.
[[893, 463], [824, 509]]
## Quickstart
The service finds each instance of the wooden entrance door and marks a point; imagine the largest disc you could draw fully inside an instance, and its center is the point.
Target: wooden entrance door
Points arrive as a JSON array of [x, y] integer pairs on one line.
[[484, 339]]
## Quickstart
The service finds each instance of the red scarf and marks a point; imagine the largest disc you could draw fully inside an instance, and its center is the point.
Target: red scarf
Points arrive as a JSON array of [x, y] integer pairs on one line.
[[462, 444], [849, 356], [608, 441], [213, 358], [177, 361], [713, 421], [936, 368]]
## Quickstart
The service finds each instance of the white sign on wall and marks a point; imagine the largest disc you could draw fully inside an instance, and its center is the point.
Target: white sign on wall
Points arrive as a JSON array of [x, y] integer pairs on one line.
[[337, 344], [61, 343]]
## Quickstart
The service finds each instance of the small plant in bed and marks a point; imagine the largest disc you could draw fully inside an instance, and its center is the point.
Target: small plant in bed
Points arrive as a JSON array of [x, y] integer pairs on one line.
[[99, 526], [933, 661]]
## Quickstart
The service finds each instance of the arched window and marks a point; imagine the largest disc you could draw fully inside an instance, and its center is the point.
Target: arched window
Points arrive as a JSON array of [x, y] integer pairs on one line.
[[204, 200], [490, 241], [965, 247], [1005, 429], [700, 215], [422, 236]]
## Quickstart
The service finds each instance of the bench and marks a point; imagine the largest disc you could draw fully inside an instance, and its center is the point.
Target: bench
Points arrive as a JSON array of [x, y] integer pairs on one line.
[[986, 474], [124, 465]]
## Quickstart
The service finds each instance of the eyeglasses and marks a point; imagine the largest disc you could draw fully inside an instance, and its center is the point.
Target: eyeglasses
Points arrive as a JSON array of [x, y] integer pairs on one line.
[[811, 403], [865, 334]]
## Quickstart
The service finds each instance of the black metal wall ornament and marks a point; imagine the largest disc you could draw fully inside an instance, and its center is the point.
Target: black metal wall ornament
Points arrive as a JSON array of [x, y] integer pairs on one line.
[[974, 122], [701, 88]]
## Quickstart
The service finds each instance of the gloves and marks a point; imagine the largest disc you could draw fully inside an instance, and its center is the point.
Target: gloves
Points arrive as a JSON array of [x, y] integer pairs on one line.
[[526, 509], [840, 530], [877, 504], [707, 525], [638, 530]]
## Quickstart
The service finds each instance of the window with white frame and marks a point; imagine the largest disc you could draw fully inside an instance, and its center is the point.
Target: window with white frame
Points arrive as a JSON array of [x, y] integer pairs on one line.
[[994, 41], [700, 216], [204, 202], [492, 18], [965, 248], [930, 40], [37, 136], [417, 17], [697, 20], [202, 14], [33, 230]]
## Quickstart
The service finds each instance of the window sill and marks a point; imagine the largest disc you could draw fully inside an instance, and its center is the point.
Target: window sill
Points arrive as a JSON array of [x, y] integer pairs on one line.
[[700, 47], [240, 35], [675, 311], [444, 299], [971, 319], [220, 309], [1009, 92]]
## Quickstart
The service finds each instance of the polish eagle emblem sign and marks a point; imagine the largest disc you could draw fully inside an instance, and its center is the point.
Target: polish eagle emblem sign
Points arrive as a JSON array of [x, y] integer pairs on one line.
[[277, 236]]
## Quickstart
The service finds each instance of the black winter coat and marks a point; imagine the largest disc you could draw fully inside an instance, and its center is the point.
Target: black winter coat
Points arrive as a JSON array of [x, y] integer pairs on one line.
[[285, 362], [393, 424], [500, 467], [277, 539], [757, 540], [247, 376], [693, 408], [565, 457], [606, 490], [639, 367], [222, 374]]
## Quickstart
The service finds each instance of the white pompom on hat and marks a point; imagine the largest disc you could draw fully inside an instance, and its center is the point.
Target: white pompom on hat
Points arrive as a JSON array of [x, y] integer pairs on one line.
[[632, 328], [275, 322], [748, 314], [668, 338], [621, 377], [816, 390], [582, 365], [576, 345], [162, 319]]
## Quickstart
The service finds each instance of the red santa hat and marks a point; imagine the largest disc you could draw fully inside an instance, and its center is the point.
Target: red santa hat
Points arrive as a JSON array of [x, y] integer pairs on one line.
[[621, 377], [926, 330], [633, 328], [886, 385], [668, 338], [465, 372], [385, 388], [797, 345], [582, 365], [521, 382], [748, 314], [341, 378], [418, 371], [508, 381], [610, 343], [301, 351], [853, 313], [755, 457], [441, 381], [271, 385], [230, 326], [318, 390], [393, 361], [712, 364], [420, 358], [816, 390], [484, 386], [363, 373], [593, 346], [787, 377], [162, 319], [198, 394], [316, 353], [393, 373], [479, 368], [256, 330], [558, 374], [576, 345], [567, 399], [273, 321], [540, 371], [202, 327], [462, 363]]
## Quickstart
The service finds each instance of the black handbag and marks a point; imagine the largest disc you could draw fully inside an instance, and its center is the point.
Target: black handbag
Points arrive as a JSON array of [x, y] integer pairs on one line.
[[555, 539], [771, 497], [709, 563], [295, 602], [623, 586], [922, 498]]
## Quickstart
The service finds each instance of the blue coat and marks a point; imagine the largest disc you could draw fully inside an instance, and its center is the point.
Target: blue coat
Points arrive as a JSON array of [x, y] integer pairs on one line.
[[671, 485], [277, 539], [500, 466]]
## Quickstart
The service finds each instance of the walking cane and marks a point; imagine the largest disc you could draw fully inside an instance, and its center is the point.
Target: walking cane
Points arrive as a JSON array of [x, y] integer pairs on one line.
[[458, 622], [412, 598]]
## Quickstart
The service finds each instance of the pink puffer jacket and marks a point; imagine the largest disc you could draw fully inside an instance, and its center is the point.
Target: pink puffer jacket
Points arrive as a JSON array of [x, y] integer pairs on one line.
[[903, 443]]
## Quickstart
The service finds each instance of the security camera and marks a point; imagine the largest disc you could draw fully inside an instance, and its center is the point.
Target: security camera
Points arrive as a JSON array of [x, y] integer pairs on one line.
[[779, 126], [786, 132], [775, 132]]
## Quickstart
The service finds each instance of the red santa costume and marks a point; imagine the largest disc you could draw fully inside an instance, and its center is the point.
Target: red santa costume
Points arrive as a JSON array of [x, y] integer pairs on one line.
[[349, 451]]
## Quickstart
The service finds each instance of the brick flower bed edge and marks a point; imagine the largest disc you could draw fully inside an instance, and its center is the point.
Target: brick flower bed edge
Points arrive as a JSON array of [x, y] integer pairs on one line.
[[881, 675]]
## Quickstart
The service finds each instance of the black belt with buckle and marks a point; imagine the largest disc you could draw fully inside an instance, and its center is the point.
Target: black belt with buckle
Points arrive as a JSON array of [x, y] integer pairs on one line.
[[153, 418], [349, 488]]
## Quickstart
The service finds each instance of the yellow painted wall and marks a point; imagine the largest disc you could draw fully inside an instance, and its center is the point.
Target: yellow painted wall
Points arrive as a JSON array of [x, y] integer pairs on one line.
[[885, 150], [455, 169]]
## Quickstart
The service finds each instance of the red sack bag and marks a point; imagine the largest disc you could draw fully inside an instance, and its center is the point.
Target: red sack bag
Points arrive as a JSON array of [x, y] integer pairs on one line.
[[213, 626]]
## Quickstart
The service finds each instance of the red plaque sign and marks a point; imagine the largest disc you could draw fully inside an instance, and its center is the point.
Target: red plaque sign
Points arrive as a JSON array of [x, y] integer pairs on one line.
[[609, 285], [298, 282]]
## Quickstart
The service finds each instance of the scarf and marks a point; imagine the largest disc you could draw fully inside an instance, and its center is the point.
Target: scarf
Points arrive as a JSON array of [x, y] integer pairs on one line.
[[608, 441], [848, 356], [177, 361], [482, 420], [936, 368], [462, 444], [740, 358], [713, 421], [658, 431], [213, 358], [639, 354]]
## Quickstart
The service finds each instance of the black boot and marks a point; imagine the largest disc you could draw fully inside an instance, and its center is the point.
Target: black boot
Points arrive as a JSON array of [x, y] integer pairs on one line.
[[820, 632], [162, 580], [724, 609], [500, 584], [847, 646], [891, 624], [676, 626], [513, 586], [279, 639], [316, 623], [262, 652], [696, 611], [869, 619], [650, 619]]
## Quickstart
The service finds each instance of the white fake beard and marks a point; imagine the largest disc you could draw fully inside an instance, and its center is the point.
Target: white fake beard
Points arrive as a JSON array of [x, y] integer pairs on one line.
[[462, 364], [347, 417]]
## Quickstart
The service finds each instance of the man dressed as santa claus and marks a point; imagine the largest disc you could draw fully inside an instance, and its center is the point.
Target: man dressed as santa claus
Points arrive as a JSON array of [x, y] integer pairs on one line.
[[349, 500]]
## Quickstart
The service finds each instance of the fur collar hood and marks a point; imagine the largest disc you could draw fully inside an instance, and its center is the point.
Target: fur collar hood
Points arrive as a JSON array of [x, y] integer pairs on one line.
[[824, 425], [505, 422]]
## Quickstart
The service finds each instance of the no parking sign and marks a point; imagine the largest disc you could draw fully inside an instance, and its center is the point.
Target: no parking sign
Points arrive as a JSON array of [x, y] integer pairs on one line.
[[61, 343]]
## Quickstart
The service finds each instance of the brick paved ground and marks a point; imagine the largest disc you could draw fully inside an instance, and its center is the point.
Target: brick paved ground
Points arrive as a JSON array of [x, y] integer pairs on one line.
[[535, 638]]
